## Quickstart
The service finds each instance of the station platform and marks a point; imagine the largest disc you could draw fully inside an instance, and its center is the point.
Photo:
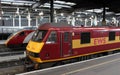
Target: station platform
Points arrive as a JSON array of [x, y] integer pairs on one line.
[[106, 65]]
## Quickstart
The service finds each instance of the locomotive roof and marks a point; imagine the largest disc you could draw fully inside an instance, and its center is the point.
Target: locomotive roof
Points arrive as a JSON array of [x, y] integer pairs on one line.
[[57, 25], [70, 27]]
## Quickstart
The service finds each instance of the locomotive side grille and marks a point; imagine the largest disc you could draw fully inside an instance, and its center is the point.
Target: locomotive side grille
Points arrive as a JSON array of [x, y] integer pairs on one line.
[[33, 54]]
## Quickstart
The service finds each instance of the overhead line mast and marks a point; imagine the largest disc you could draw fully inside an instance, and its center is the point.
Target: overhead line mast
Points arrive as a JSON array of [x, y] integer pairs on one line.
[[51, 10]]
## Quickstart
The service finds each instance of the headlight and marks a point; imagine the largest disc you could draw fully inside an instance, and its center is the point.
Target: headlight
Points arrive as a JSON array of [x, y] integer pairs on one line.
[[33, 54]]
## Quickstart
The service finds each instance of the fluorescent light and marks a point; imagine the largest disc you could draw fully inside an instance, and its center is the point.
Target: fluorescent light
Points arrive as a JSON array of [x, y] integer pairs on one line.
[[57, 5], [95, 10], [63, 2], [17, 3], [49, 7], [117, 14], [5, 2], [98, 10], [60, 2], [91, 10], [108, 13], [70, 3], [13, 2]]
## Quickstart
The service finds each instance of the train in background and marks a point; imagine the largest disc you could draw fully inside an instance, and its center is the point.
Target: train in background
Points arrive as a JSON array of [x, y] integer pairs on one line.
[[53, 43], [20, 38]]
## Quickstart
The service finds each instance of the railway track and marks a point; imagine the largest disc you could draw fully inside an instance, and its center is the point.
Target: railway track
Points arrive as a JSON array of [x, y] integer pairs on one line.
[[4, 51], [12, 67], [11, 60], [3, 48], [11, 53]]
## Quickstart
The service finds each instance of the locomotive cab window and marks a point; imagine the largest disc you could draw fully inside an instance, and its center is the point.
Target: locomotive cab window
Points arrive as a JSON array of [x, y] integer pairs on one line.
[[22, 34], [85, 37], [111, 36], [52, 37], [39, 35]]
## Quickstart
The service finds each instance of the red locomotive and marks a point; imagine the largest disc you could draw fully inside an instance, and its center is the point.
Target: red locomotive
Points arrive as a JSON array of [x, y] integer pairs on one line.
[[53, 43], [20, 38]]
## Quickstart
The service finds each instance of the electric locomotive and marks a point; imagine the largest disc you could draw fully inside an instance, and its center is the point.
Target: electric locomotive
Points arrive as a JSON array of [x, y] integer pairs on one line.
[[53, 43], [20, 38]]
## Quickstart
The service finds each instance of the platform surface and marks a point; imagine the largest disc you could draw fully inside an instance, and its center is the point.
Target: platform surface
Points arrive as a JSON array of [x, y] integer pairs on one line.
[[107, 65], [111, 67]]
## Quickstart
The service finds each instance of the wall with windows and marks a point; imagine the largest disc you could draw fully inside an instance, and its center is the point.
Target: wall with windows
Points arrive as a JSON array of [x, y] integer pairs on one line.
[[86, 19]]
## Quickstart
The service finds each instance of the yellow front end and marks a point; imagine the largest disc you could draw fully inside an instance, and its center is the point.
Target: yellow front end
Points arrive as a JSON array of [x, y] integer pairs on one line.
[[34, 48]]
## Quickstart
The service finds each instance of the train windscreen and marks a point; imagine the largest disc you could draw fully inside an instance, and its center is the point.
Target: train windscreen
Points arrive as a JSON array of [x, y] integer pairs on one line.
[[39, 35], [14, 33]]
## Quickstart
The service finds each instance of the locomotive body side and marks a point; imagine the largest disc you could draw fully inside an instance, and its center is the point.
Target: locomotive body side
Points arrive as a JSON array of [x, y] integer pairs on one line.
[[62, 43]]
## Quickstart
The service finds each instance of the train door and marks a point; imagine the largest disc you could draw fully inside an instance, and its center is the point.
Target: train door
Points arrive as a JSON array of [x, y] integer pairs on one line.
[[66, 44]]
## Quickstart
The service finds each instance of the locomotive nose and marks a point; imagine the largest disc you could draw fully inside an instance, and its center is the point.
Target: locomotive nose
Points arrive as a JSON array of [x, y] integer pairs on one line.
[[35, 46], [33, 50]]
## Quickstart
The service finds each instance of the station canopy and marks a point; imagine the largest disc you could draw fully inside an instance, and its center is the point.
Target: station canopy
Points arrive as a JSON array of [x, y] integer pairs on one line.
[[8, 8]]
